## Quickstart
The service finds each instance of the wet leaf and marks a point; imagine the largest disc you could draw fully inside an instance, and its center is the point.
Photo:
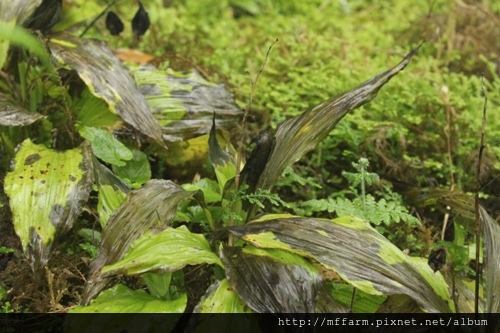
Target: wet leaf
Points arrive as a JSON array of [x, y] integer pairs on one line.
[[184, 104], [47, 190], [121, 299], [272, 280], [151, 207], [492, 260], [167, 251], [17, 11], [357, 253], [107, 79], [14, 115], [298, 135]]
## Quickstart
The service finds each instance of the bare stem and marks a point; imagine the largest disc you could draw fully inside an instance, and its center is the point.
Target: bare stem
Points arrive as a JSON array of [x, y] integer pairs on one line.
[[245, 114], [476, 201], [243, 123]]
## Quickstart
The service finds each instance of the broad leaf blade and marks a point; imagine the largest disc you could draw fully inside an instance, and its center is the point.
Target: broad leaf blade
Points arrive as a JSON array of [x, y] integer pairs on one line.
[[152, 206], [121, 299], [183, 104], [107, 79], [47, 191], [272, 281], [357, 253], [297, 136], [492, 260], [167, 251]]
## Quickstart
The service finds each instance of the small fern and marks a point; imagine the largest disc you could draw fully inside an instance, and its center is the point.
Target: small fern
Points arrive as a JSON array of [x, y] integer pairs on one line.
[[365, 205], [260, 196]]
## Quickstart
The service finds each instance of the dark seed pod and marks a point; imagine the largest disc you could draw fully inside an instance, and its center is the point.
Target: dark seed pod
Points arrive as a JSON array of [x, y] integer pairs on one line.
[[437, 259], [113, 23], [140, 22]]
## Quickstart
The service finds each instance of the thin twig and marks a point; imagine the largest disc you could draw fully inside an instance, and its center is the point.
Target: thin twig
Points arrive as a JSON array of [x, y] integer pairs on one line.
[[243, 122], [447, 133], [476, 199], [97, 18], [245, 114]]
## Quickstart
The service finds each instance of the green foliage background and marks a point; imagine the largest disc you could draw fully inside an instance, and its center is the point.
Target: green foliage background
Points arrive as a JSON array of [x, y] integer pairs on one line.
[[421, 131], [327, 47]]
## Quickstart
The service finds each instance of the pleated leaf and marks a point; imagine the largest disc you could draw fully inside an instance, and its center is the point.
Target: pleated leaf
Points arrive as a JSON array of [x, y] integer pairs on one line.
[[272, 280], [167, 251], [47, 190], [298, 135], [106, 78], [151, 207], [357, 253], [184, 104], [492, 260]]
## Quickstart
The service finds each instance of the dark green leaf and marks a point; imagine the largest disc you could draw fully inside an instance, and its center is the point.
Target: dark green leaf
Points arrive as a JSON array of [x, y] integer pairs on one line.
[[106, 146]]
